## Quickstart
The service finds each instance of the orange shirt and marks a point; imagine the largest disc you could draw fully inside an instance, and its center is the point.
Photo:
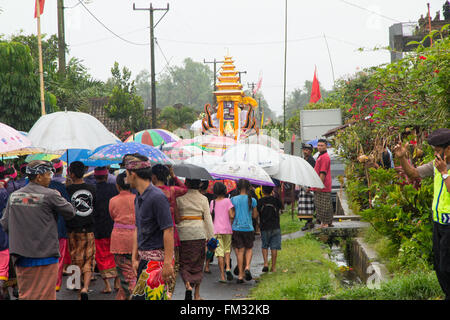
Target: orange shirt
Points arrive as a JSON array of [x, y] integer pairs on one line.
[[121, 209]]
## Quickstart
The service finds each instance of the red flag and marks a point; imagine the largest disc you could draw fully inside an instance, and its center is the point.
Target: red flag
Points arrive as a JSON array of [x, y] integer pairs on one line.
[[315, 91], [258, 85], [41, 6]]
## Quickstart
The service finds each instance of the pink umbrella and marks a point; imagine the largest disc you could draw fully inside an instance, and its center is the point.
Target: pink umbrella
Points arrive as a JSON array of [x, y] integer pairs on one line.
[[11, 139]]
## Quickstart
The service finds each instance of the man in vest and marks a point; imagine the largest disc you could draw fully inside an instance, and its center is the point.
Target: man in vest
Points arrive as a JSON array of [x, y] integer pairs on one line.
[[438, 168]]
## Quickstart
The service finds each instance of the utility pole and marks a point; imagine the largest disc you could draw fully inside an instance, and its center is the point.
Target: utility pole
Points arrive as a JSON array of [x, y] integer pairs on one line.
[[61, 41], [285, 59], [240, 80], [215, 62], [252, 85], [152, 55]]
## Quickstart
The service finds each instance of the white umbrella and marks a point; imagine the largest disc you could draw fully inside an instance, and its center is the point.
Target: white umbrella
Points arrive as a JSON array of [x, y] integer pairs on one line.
[[196, 126], [206, 161], [264, 140], [267, 158], [242, 170], [70, 130], [297, 170]]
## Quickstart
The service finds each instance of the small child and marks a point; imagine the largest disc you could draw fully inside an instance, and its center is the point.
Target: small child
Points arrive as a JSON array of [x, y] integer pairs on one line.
[[269, 209]]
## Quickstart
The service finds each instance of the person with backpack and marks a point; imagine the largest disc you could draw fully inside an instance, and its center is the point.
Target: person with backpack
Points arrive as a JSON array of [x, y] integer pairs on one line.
[[243, 230], [269, 209], [222, 210]]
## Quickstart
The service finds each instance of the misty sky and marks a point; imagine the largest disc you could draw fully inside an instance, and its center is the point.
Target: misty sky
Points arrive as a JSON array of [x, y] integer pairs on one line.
[[252, 31]]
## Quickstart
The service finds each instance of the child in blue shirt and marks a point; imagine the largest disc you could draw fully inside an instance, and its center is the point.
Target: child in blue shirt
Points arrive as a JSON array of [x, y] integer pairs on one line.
[[243, 232]]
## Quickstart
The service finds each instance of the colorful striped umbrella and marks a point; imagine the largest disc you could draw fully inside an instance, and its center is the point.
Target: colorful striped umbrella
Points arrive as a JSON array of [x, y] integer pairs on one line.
[[11, 139], [115, 153], [212, 141], [153, 137], [230, 184], [42, 156]]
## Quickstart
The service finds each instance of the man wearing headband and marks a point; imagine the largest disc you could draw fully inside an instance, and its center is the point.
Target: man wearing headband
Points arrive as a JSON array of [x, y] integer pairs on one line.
[[438, 168], [305, 203], [153, 245], [30, 220], [103, 227]]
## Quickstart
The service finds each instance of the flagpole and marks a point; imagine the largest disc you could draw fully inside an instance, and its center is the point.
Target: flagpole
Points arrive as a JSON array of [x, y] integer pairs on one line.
[[41, 69]]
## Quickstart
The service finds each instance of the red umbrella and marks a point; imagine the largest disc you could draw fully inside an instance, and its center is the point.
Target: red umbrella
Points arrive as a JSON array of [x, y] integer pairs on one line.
[[230, 184]]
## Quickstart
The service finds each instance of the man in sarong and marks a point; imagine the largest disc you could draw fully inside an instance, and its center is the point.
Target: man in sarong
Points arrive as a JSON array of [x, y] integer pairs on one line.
[[30, 220], [153, 248]]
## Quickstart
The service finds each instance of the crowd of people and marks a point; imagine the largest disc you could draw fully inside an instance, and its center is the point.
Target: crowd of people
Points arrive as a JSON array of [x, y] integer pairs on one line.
[[141, 228]]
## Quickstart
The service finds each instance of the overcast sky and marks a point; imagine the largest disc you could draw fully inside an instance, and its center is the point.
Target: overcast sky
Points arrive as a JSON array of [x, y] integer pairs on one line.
[[252, 31]]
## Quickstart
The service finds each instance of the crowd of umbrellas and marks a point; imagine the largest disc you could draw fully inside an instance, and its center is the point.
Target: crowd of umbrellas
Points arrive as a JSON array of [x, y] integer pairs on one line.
[[77, 136]]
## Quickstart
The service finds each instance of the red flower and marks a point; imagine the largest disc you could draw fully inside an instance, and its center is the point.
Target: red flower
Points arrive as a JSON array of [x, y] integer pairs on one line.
[[413, 142], [371, 120], [422, 58], [436, 71], [350, 110], [402, 112], [371, 114]]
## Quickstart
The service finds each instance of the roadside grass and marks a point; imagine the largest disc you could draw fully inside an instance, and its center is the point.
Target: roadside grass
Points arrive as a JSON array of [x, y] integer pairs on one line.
[[414, 286], [303, 273], [289, 225]]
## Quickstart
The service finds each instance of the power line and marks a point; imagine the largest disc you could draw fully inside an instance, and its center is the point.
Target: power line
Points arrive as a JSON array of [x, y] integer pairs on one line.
[[238, 43], [108, 38], [374, 12], [118, 36]]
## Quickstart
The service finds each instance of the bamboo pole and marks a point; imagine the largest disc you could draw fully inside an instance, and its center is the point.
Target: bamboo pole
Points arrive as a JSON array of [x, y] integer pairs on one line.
[[41, 69]]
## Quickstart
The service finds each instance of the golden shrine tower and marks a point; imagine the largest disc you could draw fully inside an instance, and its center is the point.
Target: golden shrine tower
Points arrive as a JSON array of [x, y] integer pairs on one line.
[[231, 101]]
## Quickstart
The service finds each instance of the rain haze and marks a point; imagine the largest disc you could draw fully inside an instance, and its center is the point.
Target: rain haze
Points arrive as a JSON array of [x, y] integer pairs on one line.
[[251, 31]]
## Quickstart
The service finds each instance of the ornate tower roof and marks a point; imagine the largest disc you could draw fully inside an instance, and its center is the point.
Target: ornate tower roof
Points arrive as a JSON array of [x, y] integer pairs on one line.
[[228, 84]]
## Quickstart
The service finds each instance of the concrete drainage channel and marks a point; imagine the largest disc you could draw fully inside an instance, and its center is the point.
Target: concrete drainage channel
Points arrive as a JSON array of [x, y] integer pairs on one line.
[[357, 262]]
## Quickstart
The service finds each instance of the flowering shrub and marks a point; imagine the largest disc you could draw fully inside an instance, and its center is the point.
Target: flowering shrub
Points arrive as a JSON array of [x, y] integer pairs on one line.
[[398, 102]]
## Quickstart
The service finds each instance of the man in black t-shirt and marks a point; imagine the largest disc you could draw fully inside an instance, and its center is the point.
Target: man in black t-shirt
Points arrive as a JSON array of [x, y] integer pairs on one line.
[[81, 227], [269, 209]]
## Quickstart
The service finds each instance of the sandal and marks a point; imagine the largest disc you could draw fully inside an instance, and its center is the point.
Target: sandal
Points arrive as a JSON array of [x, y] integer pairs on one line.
[[229, 275], [248, 275], [207, 271], [222, 281], [104, 291], [84, 296], [188, 295]]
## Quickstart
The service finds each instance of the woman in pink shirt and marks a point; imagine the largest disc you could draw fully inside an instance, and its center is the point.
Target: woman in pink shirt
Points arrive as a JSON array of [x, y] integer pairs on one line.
[[221, 209], [121, 209]]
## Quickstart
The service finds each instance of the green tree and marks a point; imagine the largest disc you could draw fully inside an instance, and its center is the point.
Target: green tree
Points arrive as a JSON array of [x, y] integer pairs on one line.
[[19, 86], [190, 85], [143, 87], [177, 116], [124, 104], [299, 98]]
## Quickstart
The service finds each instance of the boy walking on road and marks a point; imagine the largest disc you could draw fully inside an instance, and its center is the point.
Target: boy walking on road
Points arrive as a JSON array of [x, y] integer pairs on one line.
[[269, 209]]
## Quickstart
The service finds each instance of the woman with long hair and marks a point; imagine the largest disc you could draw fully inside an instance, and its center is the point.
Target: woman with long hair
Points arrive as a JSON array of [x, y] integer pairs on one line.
[[243, 231]]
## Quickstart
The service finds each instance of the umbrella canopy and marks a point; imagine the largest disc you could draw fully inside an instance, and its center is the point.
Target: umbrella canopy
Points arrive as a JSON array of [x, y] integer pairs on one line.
[[264, 140], [265, 157], [184, 152], [153, 137], [196, 126], [69, 130], [190, 171], [43, 156], [207, 161], [211, 141], [297, 170], [115, 152], [315, 142], [242, 170], [230, 184], [11, 140], [83, 156]]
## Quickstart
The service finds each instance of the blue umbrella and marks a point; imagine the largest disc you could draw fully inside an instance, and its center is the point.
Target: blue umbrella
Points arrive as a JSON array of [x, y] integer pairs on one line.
[[83, 156], [115, 152], [315, 142]]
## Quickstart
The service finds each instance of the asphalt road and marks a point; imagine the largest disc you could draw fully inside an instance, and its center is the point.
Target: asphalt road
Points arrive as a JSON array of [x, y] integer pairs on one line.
[[210, 289]]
